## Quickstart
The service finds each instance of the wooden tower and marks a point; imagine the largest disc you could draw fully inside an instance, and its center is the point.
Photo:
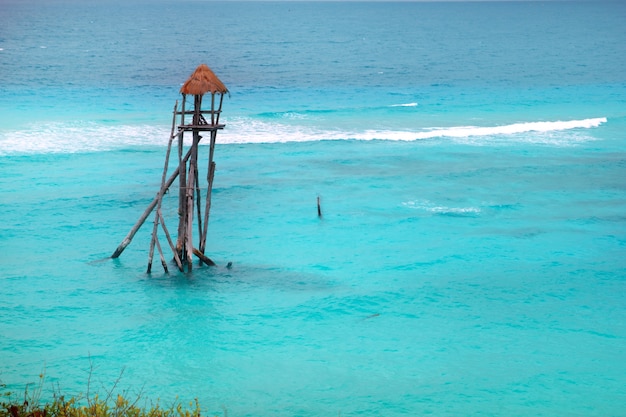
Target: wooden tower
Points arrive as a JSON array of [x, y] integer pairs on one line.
[[192, 118]]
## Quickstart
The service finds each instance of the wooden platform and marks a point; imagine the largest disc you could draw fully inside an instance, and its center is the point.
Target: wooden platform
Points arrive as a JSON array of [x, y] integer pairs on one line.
[[200, 128]]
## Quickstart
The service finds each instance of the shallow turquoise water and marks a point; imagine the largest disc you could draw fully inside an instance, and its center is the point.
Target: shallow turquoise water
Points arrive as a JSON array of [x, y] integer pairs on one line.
[[425, 283], [470, 256]]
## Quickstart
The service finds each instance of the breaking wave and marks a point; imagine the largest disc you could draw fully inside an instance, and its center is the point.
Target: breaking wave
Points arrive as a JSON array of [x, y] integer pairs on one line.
[[61, 137], [404, 105], [255, 131], [434, 208]]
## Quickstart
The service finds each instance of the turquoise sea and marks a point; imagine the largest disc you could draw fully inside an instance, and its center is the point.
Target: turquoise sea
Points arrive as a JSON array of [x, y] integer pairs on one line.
[[469, 157]]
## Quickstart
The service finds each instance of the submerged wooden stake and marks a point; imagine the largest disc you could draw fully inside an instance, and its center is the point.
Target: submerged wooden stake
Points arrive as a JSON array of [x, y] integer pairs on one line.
[[319, 208]]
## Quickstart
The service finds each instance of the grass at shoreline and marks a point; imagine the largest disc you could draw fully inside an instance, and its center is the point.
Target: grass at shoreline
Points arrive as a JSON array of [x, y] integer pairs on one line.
[[111, 404]]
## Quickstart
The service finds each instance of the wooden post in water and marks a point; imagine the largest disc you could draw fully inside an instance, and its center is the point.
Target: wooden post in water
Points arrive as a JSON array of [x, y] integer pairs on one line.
[[319, 208], [155, 227], [201, 82]]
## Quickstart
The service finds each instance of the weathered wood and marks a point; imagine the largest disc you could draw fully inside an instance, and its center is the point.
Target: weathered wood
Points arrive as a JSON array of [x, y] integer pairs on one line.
[[149, 270], [145, 214], [210, 176], [198, 205], [163, 263], [182, 184], [219, 110], [319, 208], [201, 128], [203, 257], [207, 207], [155, 227], [201, 112], [197, 109], [169, 240], [190, 191], [187, 173], [212, 146]]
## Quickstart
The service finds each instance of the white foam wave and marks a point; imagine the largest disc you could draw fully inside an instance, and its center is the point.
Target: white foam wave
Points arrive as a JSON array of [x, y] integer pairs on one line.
[[465, 132], [405, 105], [75, 137], [247, 131], [91, 136], [435, 208]]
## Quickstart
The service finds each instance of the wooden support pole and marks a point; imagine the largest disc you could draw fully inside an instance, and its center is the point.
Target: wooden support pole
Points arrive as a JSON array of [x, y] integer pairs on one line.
[[158, 245], [212, 145], [182, 184], [188, 220], [319, 208], [169, 240], [189, 194], [203, 257], [210, 176], [198, 206], [182, 207], [155, 227], [207, 207], [219, 110], [146, 213]]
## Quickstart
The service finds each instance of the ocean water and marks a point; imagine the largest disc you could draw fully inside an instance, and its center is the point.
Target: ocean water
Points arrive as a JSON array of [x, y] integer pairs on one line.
[[469, 158]]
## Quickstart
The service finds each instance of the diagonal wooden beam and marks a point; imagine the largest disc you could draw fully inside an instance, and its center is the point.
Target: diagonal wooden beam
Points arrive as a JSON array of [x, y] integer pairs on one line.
[[147, 212]]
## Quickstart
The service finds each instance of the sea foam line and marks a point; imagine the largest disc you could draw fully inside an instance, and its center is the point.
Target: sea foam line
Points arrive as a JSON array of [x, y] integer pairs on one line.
[[488, 131], [429, 206], [404, 105], [72, 137], [247, 131]]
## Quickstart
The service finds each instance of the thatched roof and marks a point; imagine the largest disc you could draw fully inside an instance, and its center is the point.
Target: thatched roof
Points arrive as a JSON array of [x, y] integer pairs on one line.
[[202, 81]]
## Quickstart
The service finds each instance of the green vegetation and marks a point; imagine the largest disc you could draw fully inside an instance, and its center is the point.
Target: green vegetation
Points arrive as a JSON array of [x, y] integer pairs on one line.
[[110, 405]]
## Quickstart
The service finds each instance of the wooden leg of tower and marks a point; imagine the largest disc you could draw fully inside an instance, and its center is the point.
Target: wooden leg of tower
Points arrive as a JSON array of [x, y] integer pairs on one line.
[[148, 210], [189, 229], [182, 202], [151, 252], [190, 191], [155, 227], [169, 240], [188, 223], [163, 263], [180, 240], [210, 176], [207, 207], [198, 206]]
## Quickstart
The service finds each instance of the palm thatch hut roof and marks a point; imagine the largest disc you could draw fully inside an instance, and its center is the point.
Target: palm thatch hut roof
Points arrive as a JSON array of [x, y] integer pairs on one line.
[[202, 81]]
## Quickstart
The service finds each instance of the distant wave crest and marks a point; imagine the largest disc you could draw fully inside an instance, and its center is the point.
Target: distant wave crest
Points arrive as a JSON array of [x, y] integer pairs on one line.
[[254, 131], [91, 136], [434, 208], [404, 105], [72, 137]]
